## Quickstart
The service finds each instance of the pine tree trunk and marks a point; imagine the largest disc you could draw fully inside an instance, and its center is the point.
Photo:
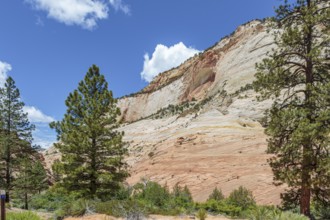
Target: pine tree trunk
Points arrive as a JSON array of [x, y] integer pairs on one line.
[[8, 180], [305, 194], [26, 206], [93, 167], [305, 200]]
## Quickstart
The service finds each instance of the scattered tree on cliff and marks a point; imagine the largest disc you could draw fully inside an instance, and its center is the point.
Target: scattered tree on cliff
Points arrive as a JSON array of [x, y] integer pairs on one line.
[[16, 134], [91, 147], [297, 76]]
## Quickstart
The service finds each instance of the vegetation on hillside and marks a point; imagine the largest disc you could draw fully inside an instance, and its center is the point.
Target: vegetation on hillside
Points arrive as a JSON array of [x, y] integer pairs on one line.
[[147, 197]]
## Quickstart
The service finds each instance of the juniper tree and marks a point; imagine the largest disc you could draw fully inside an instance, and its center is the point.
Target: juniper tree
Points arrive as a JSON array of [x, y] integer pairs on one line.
[[296, 75], [16, 132], [92, 149]]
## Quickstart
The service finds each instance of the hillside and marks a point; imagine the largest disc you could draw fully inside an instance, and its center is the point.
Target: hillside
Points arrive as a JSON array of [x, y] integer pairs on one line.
[[200, 124]]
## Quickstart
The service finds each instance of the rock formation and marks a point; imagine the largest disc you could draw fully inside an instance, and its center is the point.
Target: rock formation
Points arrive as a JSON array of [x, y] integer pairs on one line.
[[200, 124]]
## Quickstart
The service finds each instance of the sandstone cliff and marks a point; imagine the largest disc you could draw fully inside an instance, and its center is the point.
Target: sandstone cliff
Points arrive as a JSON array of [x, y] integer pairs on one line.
[[199, 124], [204, 144]]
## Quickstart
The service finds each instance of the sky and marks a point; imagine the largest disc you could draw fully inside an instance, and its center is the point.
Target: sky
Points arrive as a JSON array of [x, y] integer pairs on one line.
[[47, 46]]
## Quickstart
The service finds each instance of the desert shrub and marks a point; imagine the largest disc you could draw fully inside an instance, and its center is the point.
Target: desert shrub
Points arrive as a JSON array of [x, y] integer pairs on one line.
[[81, 207], [241, 197], [260, 213], [220, 207], [122, 208], [289, 216], [22, 216], [216, 195], [271, 213], [201, 214]]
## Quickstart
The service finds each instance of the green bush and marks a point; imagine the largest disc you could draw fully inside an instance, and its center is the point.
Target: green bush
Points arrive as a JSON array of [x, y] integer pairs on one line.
[[271, 213], [52, 199], [260, 213], [22, 216], [242, 197], [220, 207], [201, 214], [182, 197], [121, 208], [152, 193]]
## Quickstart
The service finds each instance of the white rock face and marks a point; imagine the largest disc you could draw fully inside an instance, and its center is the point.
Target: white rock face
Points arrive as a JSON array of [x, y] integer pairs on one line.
[[229, 65]]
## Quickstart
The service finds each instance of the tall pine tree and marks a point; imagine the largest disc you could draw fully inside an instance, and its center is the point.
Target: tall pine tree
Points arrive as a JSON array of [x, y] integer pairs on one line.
[[297, 76], [92, 149], [16, 132]]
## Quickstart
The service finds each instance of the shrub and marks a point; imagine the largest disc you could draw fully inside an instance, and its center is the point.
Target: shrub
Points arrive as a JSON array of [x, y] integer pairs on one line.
[[153, 194], [124, 208], [81, 207], [52, 199], [270, 213], [289, 216], [22, 216], [220, 207], [229, 209], [182, 197], [242, 197], [216, 195], [260, 213], [201, 214]]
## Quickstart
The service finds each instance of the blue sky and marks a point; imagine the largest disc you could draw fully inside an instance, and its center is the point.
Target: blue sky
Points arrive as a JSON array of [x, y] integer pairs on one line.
[[48, 45]]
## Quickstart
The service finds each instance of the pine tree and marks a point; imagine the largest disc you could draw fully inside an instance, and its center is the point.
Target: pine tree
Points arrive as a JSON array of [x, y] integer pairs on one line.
[[92, 149], [16, 132], [216, 195], [32, 179], [297, 77]]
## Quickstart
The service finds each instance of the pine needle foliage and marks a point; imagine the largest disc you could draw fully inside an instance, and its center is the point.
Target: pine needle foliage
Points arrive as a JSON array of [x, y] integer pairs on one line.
[[16, 135], [92, 149], [296, 75]]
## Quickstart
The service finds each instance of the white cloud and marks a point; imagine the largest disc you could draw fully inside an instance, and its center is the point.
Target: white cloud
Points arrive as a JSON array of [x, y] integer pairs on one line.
[[37, 116], [4, 69], [84, 13], [118, 5], [44, 138], [165, 58]]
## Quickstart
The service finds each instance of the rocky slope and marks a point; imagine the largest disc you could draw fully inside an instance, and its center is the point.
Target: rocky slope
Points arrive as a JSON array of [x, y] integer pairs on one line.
[[218, 142], [199, 124]]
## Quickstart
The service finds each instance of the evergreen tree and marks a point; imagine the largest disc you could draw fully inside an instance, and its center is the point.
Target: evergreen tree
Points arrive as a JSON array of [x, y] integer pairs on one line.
[[297, 77], [16, 132], [32, 179], [216, 195], [92, 149]]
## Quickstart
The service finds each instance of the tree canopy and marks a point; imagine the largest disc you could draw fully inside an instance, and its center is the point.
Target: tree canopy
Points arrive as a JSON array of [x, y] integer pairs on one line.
[[297, 76], [92, 149]]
